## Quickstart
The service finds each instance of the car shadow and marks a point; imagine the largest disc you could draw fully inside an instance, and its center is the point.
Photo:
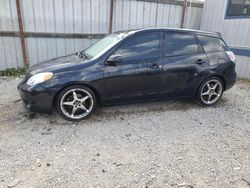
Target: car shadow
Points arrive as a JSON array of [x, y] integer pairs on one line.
[[119, 111]]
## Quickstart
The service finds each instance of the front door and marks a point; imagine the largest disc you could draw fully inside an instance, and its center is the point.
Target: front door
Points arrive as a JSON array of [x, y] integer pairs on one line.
[[139, 72]]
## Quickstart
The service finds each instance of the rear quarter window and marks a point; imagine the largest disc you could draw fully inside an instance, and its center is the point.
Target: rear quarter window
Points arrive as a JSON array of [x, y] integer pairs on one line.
[[212, 44]]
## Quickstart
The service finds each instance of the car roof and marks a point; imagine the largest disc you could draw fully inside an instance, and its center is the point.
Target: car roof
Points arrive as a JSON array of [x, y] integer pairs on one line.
[[177, 30]]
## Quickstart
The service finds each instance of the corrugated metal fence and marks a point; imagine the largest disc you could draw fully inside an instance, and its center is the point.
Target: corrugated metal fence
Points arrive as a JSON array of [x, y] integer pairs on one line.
[[236, 32], [58, 27], [129, 14]]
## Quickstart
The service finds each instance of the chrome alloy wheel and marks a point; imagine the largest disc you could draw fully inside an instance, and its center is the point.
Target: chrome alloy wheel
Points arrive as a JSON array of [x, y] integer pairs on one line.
[[76, 103], [211, 91]]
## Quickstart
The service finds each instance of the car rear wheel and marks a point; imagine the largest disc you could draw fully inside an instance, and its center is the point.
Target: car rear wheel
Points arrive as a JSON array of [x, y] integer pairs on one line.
[[76, 103], [210, 91]]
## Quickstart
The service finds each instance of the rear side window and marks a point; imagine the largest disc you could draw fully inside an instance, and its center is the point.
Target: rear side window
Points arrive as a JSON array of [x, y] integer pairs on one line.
[[212, 44], [180, 44], [140, 47]]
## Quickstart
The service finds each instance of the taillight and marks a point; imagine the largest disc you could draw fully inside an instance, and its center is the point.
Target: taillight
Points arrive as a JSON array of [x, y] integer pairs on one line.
[[231, 56]]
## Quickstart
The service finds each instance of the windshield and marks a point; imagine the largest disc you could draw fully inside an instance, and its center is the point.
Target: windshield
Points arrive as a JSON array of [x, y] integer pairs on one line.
[[103, 45]]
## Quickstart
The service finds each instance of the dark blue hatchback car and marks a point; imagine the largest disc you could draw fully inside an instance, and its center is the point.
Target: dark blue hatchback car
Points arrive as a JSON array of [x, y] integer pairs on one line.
[[134, 65]]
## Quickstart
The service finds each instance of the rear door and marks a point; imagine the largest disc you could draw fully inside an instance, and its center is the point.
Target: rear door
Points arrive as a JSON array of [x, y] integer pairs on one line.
[[139, 72], [184, 61]]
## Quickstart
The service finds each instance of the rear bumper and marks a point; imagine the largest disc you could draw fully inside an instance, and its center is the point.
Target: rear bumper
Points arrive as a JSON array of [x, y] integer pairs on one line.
[[36, 99], [231, 81]]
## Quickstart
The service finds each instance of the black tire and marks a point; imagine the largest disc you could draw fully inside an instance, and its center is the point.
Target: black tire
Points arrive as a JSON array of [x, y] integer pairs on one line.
[[65, 94], [201, 91]]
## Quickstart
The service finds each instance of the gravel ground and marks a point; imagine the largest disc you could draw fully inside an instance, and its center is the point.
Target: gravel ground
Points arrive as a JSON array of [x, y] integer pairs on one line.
[[173, 143]]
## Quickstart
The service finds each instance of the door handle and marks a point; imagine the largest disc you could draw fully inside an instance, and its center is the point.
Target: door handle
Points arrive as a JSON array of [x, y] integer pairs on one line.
[[200, 62], [155, 66]]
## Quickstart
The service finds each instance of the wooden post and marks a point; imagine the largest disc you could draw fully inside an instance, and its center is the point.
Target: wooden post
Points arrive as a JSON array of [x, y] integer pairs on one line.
[[183, 13], [111, 16], [21, 33]]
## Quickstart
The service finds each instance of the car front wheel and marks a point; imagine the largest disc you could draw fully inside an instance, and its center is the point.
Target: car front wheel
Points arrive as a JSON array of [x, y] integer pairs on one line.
[[210, 91], [76, 103]]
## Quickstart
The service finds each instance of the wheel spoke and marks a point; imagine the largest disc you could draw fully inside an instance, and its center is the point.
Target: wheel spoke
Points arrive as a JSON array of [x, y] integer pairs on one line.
[[84, 99], [209, 98], [215, 86], [208, 86], [216, 94], [206, 93], [83, 108], [75, 95], [73, 111], [68, 103]]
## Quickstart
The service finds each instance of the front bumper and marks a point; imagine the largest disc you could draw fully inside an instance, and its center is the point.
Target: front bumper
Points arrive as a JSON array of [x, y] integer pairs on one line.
[[36, 98]]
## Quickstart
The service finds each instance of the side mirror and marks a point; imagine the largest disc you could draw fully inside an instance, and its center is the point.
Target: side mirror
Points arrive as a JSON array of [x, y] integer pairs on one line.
[[114, 59]]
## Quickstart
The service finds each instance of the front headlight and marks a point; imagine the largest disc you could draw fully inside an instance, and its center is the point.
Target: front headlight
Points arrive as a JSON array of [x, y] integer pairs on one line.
[[39, 78]]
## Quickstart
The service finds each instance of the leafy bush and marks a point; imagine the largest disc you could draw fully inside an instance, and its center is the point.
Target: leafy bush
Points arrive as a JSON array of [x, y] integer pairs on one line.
[[13, 72]]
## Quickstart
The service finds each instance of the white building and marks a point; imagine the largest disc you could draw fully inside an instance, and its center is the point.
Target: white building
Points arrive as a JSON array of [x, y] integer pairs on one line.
[[232, 19]]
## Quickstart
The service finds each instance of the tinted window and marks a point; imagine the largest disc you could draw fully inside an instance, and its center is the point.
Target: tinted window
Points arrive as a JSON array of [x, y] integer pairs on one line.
[[212, 44], [139, 47], [238, 8], [179, 44]]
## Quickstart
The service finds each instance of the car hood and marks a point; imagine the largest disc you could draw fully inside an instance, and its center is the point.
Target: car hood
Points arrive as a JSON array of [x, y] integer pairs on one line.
[[56, 64]]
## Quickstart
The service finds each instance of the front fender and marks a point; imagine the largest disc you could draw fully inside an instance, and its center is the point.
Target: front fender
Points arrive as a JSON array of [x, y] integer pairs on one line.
[[90, 79]]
